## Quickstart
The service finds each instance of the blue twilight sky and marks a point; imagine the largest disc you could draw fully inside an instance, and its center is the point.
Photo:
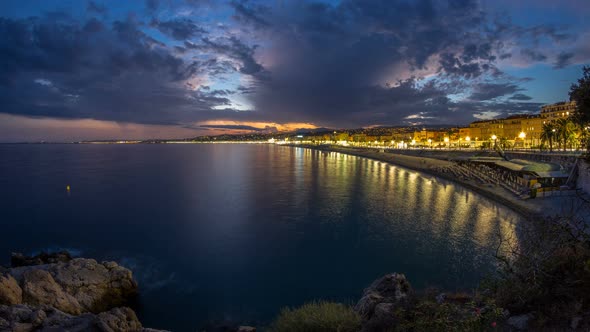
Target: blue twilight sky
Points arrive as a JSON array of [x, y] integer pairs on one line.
[[80, 69]]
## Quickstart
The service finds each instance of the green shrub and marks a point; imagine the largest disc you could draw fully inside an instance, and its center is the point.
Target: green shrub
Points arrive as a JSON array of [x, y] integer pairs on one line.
[[548, 273], [317, 316], [428, 315]]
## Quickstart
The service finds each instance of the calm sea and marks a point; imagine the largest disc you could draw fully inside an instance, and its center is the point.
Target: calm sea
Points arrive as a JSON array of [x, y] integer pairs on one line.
[[234, 232]]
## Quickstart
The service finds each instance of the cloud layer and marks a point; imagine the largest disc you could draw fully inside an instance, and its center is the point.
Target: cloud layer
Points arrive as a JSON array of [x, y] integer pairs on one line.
[[347, 63]]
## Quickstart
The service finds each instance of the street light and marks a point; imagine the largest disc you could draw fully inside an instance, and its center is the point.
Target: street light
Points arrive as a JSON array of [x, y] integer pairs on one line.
[[522, 136], [429, 143], [447, 142], [494, 138], [468, 140]]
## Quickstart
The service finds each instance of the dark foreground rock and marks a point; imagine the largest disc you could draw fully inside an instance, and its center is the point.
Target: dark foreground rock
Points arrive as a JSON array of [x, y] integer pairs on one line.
[[27, 318], [380, 299], [77, 286], [17, 259], [390, 304], [55, 292]]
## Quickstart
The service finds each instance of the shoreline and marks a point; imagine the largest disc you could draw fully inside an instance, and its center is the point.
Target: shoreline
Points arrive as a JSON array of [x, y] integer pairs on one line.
[[526, 208]]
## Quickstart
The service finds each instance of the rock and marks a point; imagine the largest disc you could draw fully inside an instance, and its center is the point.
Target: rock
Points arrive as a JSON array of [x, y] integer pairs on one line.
[[53, 292], [110, 265], [39, 288], [10, 291], [246, 329], [391, 288], [22, 327], [18, 259], [119, 319], [383, 318], [79, 285], [575, 322], [95, 286], [520, 322], [37, 317], [28, 318]]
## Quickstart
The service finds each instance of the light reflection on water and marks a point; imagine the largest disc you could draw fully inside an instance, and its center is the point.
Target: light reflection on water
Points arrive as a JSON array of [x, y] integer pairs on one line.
[[237, 231]]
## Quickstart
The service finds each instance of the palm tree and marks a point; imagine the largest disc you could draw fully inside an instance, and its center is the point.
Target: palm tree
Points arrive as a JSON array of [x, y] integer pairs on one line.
[[583, 136], [566, 131], [504, 143], [548, 134]]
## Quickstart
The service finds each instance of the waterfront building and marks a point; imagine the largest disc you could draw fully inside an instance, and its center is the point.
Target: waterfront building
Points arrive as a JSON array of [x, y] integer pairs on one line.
[[423, 136], [558, 110], [523, 130], [519, 131]]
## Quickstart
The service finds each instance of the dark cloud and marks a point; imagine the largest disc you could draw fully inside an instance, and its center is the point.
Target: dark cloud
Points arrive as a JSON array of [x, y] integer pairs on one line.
[[108, 73], [563, 60], [96, 7], [488, 91], [152, 5], [332, 58], [234, 49], [338, 64], [547, 31], [252, 14], [473, 52], [179, 29], [500, 109], [450, 64], [520, 96], [533, 55]]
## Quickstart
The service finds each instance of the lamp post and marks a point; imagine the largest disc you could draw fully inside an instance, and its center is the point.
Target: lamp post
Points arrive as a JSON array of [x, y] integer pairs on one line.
[[552, 138], [468, 140], [446, 139], [522, 136], [494, 138], [430, 143]]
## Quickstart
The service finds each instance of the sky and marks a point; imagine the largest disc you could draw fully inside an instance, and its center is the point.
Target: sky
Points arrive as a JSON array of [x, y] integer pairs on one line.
[[86, 70]]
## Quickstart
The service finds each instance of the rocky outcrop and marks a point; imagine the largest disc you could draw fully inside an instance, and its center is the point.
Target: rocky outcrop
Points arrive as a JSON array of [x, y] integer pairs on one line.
[[379, 300], [62, 293], [39, 288], [43, 318], [79, 285], [17, 259], [391, 288], [520, 322], [10, 291]]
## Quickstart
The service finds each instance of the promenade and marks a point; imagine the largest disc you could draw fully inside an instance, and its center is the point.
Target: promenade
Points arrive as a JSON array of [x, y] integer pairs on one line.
[[532, 209]]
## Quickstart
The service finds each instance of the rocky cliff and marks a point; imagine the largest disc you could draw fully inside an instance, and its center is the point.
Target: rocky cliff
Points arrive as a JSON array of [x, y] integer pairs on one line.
[[55, 292]]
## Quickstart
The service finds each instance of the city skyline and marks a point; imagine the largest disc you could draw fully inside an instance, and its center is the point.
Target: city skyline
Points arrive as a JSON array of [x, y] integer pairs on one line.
[[87, 70]]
